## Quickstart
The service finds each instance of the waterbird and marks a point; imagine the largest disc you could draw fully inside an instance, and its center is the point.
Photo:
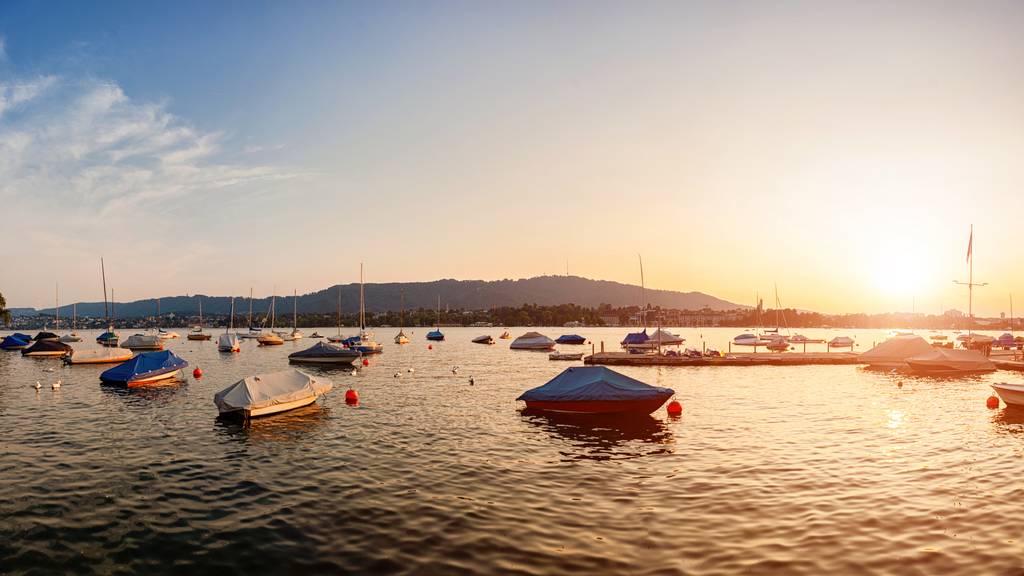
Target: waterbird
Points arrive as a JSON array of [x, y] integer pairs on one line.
[[398, 374], [455, 369], [56, 384], [471, 381], [37, 385], [410, 370], [47, 369]]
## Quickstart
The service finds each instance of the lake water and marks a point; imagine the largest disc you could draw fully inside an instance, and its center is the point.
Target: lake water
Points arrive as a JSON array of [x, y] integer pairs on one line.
[[801, 470]]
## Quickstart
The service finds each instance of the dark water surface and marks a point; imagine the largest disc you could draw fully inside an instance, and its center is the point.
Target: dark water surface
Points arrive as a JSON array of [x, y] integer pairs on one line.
[[803, 470]]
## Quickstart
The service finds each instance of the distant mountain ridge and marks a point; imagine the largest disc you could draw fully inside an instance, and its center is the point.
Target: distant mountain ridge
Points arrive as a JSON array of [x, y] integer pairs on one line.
[[457, 294]]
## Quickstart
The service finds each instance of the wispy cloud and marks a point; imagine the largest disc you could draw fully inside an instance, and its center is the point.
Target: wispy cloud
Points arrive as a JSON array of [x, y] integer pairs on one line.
[[3, 49]]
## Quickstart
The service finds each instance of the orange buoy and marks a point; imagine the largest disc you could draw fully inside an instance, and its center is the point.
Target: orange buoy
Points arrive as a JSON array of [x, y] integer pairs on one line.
[[430, 346], [675, 408], [899, 384], [351, 396], [992, 402], [366, 361], [197, 373]]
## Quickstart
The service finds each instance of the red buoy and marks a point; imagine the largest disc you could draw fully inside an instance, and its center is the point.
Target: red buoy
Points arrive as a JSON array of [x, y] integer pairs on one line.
[[366, 361], [992, 402], [197, 373], [675, 408], [430, 346], [351, 396]]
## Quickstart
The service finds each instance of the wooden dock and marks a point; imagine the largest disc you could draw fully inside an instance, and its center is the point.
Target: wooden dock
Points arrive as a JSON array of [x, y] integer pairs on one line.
[[736, 359]]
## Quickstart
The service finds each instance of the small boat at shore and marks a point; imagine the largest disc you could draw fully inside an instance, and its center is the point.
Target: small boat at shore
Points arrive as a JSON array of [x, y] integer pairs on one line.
[[325, 353], [893, 353], [99, 356], [533, 341], [436, 335], [841, 342], [485, 339], [146, 368], [266, 394], [143, 342], [570, 356], [595, 390], [949, 362], [47, 349], [573, 339], [228, 342], [1012, 394], [197, 331], [16, 341], [46, 336]]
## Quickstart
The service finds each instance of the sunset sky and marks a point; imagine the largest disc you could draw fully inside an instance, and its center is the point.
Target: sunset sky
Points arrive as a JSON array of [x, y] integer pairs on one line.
[[838, 149]]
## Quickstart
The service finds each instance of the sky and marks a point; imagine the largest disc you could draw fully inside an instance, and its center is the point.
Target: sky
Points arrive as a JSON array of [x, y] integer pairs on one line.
[[838, 150]]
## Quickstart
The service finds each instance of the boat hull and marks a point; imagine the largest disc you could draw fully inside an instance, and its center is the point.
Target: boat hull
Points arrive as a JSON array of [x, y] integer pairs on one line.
[[278, 408], [941, 370], [85, 358], [1011, 394], [47, 354], [601, 406], [198, 336], [535, 347], [151, 379], [334, 360]]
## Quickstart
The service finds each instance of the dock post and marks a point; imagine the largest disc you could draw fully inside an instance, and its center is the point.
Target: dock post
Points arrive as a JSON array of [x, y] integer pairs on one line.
[[602, 346]]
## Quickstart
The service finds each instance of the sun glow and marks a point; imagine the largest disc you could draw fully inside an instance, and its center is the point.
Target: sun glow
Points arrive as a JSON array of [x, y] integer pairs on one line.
[[895, 276]]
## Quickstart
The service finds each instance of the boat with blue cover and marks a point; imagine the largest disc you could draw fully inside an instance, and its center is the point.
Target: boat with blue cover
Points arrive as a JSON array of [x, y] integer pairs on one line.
[[47, 348], [596, 390], [436, 335], [145, 368], [570, 339], [15, 341], [635, 339]]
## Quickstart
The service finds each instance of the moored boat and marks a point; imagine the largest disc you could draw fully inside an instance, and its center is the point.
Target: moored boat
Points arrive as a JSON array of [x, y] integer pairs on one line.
[[104, 355], [1012, 394], [533, 341], [436, 335], [146, 368], [143, 342], [565, 356], [325, 353], [947, 362], [47, 348], [575, 339], [15, 341], [197, 331], [266, 394], [841, 342], [505, 335], [46, 336], [228, 342], [595, 390], [485, 339], [893, 353]]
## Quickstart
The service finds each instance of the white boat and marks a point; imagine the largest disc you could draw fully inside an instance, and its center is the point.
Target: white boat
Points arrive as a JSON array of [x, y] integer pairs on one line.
[[750, 340], [252, 333], [266, 394], [197, 332], [325, 353], [228, 342], [104, 355], [295, 334], [801, 339], [485, 339], [533, 341], [571, 356], [947, 362], [659, 337], [1012, 394], [73, 335], [401, 338], [270, 338], [366, 344], [143, 342], [841, 342], [167, 334], [893, 353]]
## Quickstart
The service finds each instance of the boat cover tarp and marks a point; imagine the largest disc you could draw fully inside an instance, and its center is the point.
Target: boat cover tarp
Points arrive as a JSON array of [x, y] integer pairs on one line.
[[1006, 339], [570, 339], [482, 339], [325, 350], [531, 340], [265, 390], [666, 337], [142, 340], [434, 333], [896, 350], [593, 383], [145, 365], [106, 336], [47, 346], [13, 342], [46, 336], [965, 360], [22, 336], [636, 338]]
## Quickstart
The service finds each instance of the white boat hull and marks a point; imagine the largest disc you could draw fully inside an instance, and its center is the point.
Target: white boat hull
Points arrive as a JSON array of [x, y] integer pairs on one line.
[[152, 379], [1012, 394], [278, 408], [324, 360]]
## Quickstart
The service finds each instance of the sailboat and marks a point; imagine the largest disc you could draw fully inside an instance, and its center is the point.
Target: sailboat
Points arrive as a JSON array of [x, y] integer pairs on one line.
[[338, 338], [401, 338], [164, 334], [108, 338], [365, 344], [73, 335], [269, 338], [253, 332], [228, 342], [197, 332], [296, 334], [436, 335]]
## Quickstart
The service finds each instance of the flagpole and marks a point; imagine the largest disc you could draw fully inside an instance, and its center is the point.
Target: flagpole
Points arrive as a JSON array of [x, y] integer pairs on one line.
[[970, 283]]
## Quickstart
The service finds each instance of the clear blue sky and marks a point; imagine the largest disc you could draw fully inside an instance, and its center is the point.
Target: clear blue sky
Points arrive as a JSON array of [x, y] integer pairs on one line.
[[839, 149]]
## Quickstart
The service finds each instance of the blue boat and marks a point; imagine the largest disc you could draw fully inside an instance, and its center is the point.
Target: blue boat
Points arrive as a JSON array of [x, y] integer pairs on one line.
[[595, 390], [635, 339], [570, 339], [108, 339], [14, 342], [145, 368], [435, 335]]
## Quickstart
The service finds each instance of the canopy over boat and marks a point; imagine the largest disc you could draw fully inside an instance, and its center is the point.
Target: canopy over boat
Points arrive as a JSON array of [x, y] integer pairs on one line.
[[841, 342], [228, 343], [532, 341], [570, 339], [144, 366], [596, 389], [22, 336], [143, 342], [634, 338], [47, 348], [947, 361], [666, 338], [895, 351], [46, 336], [325, 352], [1005, 339], [435, 335], [266, 390], [105, 355], [13, 342], [484, 339]]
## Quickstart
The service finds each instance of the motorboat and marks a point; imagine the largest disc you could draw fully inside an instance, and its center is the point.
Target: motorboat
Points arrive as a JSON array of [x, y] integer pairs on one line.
[[841, 342], [143, 342], [778, 345], [46, 336], [654, 341], [325, 353], [47, 348], [109, 338], [270, 339], [435, 335], [533, 341], [98, 356], [893, 353], [266, 394], [336, 339], [573, 339], [949, 362], [366, 344], [284, 336], [801, 339], [749, 339], [71, 337], [1012, 394], [146, 368], [252, 334], [1005, 340], [315, 335], [505, 335], [485, 339], [401, 338], [167, 334], [197, 331], [228, 342], [570, 356], [595, 390], [635, 340], [15, 342]]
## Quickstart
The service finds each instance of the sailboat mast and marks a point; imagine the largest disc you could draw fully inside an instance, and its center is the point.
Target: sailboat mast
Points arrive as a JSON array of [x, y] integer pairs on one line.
[[643, 296], [106, 310], [362, 309], [401, 318], [74, 315], [56, 294], [295, 310], [339, 309], [250, 306], [231, 318]]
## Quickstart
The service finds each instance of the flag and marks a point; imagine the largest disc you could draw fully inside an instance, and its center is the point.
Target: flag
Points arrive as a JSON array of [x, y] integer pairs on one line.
[[970, 244]]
